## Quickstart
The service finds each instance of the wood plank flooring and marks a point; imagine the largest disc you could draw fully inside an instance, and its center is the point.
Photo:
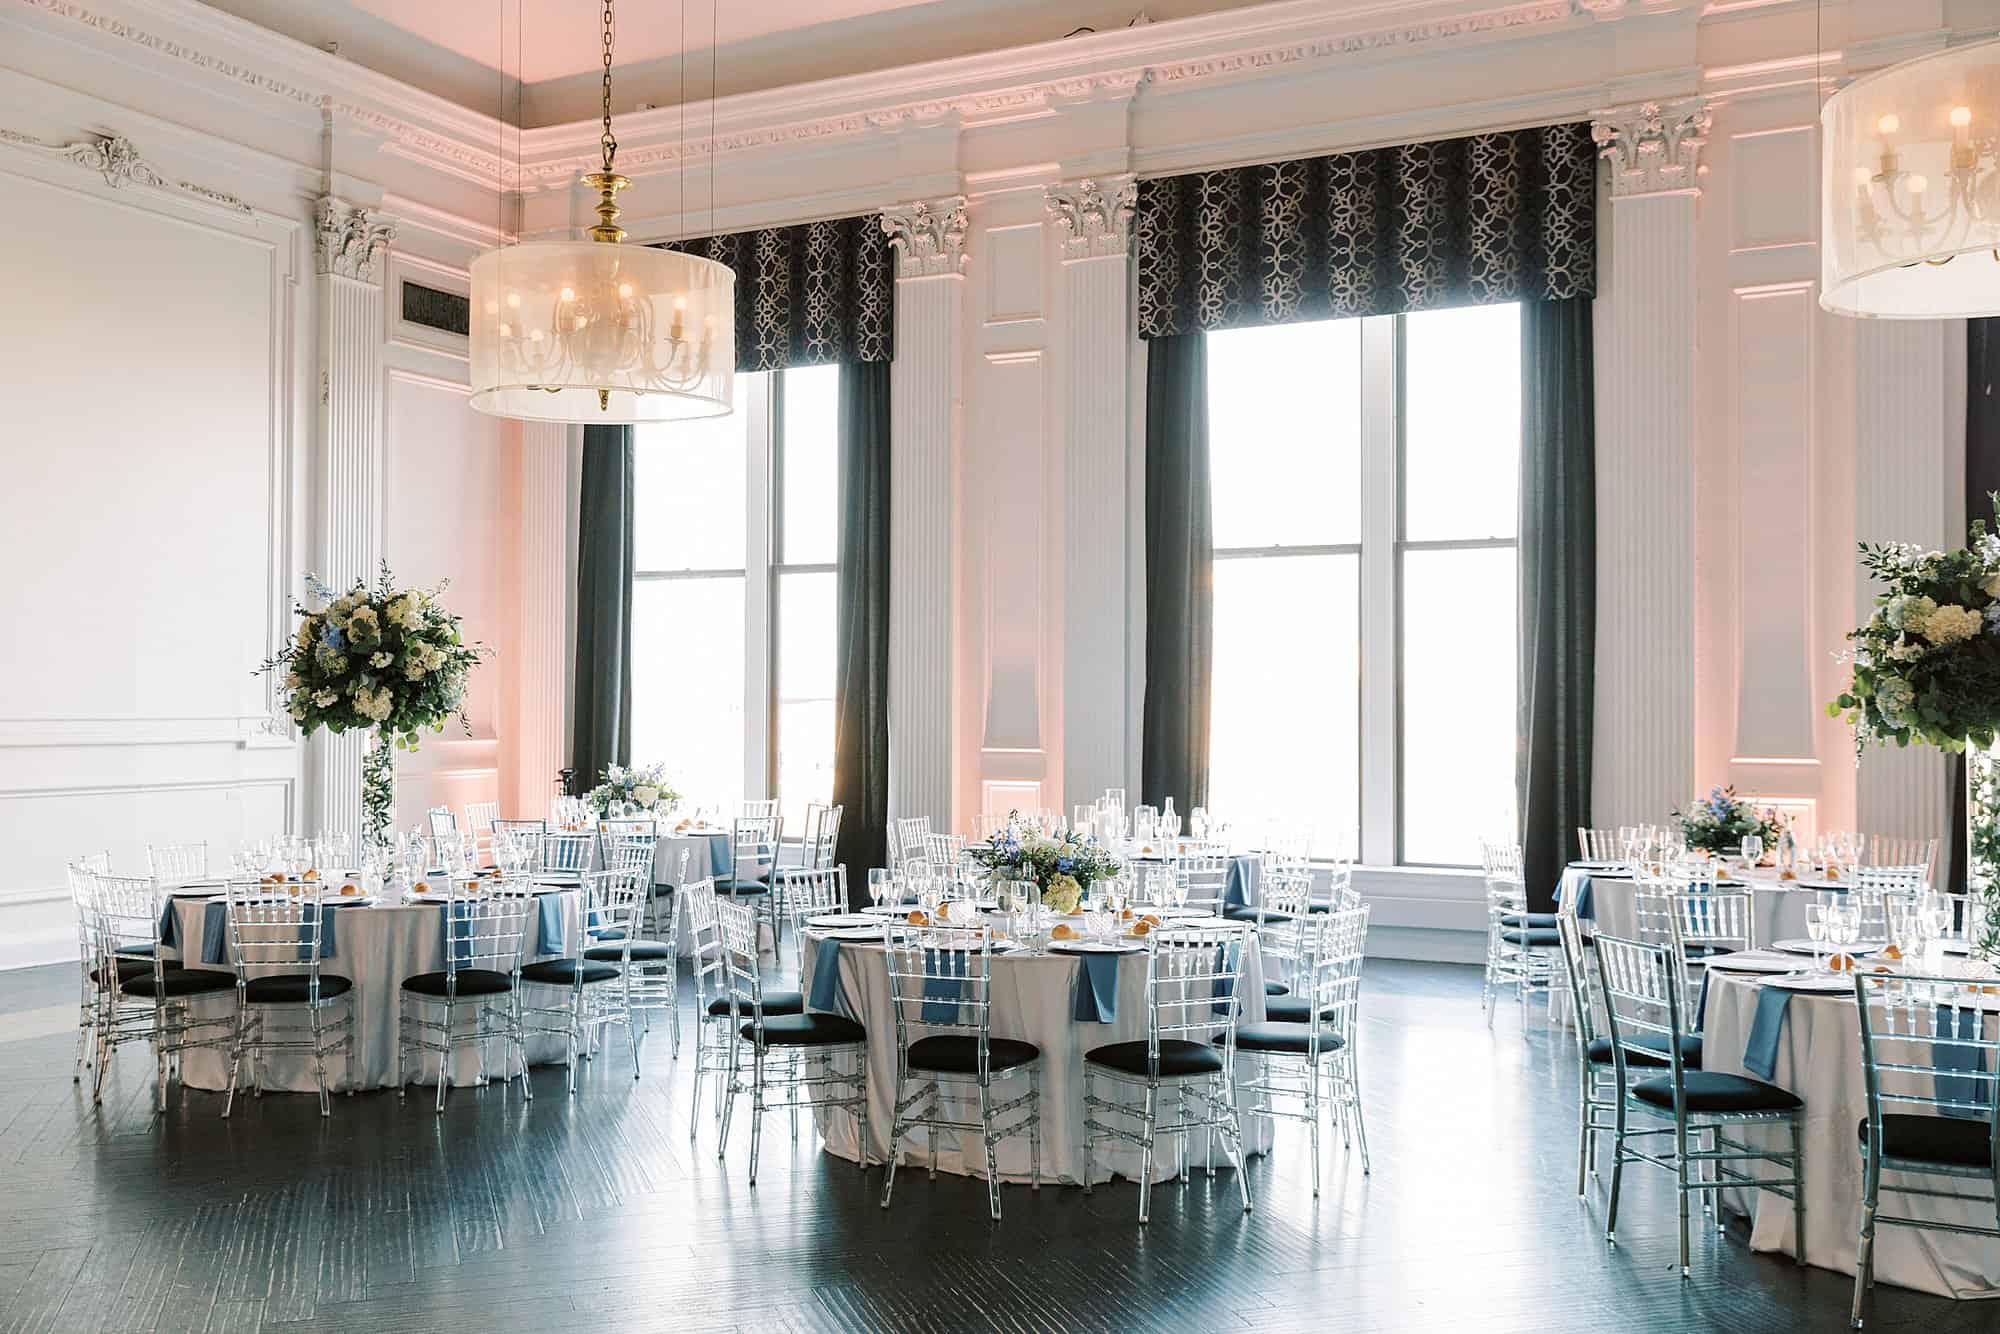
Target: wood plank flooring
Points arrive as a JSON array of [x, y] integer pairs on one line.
[[575, 1212]]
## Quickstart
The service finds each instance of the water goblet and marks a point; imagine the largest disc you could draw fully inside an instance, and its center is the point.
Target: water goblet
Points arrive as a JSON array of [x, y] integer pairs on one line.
[[1753, 850], [879, 881]]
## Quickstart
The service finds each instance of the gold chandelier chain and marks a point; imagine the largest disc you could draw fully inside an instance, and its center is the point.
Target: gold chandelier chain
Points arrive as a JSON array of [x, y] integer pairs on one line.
[[609, 141]]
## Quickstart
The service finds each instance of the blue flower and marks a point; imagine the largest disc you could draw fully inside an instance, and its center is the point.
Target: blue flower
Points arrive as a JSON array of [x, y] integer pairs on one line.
[[1065, 864], [332, 637]]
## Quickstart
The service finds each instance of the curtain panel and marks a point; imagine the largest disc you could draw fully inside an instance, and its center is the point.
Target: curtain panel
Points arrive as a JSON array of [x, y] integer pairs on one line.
[[1489, 218], [861, 635], [1558, 588], [604, 567], [809, 294], [1180, 574]]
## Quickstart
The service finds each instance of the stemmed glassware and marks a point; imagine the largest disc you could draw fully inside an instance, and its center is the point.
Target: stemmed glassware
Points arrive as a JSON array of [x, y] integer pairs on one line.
[[1816, 931], [1753, 850], [881, 885]]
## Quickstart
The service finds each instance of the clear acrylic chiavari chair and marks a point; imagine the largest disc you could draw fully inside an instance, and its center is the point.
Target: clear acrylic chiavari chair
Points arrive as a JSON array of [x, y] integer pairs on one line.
[[478, 991], [1599, 845], [1192, 978], [1642, 993], [276, 945], [1919, 854], [563, 856], [1302, 1065], [753, 858], [1520, 949], [441, 821], [1929, 1055], [595, 978], [1206, 876], [479, 818], [806, 894], [940, 987], [716, 1017], [797, 1056], [822, 837], [97, 992], [156, 1005], [907, 841], [177, 863], [943, 853]]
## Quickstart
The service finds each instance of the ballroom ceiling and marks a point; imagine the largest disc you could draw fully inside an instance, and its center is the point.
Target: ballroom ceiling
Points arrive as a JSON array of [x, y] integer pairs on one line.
[[473, 51]]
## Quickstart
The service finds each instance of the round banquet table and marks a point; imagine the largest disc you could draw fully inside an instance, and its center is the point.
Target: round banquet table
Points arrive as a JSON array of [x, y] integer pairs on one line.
[[1778, 909], [376, 946], [1819, 1059], [1032, 995]]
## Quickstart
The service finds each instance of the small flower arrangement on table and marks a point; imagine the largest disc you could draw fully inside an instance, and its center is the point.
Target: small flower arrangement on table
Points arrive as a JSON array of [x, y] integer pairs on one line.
[[645, 787], [1719, 822], [1062, 864]]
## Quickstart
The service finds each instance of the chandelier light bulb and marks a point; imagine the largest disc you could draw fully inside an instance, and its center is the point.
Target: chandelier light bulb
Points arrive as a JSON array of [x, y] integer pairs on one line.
[[1961, 117], [569, 294], [513, 300], [1889, 124], [624, 291], [1919, 184]]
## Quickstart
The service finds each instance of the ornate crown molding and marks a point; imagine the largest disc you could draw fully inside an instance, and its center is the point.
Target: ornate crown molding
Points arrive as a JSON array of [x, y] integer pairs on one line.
[[929, 236], [118, 160], [1654, 147], [1096, 215], [348, 240]]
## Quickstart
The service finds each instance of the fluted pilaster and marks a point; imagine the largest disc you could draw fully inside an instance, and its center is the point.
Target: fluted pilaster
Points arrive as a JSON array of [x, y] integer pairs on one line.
[[541, 656]]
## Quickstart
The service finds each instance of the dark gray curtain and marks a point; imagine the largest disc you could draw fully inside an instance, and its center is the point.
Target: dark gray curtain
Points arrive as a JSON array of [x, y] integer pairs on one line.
[[604, 605], [1982, 475], [1180, 560], [861, 682], [1558, 588]]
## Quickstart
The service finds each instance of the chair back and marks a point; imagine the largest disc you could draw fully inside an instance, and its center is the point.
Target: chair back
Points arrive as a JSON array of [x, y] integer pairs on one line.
[[753, 846], [906, 840], [443, 823], [943, 852], [1653, 907], [822, 836], [711, 973], [1329, 973], [1576, 966], [1506, 889], [1599, 845], [613, 901], [274, 932], [483, 931], [1206, 875], [564, 853], [739, 961], [479, 818], [1720, 919], [1192, 981], [940, 982], [766, 809], [1641, 986], [1341, 889], [126, 914], [176, 863], [628, 845], [1928, 1047], [83, 900], [1915, 853], [520, 828]]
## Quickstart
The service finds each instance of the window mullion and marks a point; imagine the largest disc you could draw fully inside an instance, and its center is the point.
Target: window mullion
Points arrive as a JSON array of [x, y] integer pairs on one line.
[[757, 621], [1381, 522]]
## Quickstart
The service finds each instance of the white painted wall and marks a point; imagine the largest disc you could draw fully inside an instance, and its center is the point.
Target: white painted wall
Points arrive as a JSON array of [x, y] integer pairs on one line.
[[1745, 440]]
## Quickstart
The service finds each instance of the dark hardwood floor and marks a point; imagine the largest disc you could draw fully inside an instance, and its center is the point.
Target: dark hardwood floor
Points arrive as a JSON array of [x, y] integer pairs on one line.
[[597, 1211]]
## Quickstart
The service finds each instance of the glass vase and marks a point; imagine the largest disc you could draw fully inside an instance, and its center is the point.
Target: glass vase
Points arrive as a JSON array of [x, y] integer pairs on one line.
[[1982, 845], [378, 789]]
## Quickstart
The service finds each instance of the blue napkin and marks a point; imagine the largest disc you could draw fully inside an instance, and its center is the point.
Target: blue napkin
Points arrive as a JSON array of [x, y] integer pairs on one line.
[[1225, 987], [329, 939], [454, 939], [1760, 1049], [549, 929], [170, 927], [1242, 887], [941, 998], [1701, 1005], [1096, 992], [1971, 1024], [828, 996], [1586, 907], [215, 932]]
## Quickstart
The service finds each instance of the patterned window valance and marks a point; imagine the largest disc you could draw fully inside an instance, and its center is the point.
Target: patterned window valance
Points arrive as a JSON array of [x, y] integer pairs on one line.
[[1493, 217], [806, 295]]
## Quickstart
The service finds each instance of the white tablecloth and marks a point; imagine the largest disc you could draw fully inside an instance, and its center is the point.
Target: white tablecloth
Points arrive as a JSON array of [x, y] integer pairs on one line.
[[377, 947], [1819, 1058], [1779, 911], [700, 851], [1032, 1001]]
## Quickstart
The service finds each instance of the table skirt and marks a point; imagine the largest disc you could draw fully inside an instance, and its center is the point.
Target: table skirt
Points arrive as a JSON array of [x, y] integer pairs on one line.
[[1032, 1001], [377, 948], [1778, 913], [1819, 1059]]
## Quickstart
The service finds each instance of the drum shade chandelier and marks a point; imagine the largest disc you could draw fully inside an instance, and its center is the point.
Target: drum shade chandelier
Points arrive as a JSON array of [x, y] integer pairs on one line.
[[1911, 190], [600, 332]]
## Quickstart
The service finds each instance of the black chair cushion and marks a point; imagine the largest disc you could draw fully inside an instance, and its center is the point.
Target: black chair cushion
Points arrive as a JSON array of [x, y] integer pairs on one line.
[[1177, 1057], [1599, 1051], [958, 1053], [1284, 1037], [1276, 989], [294, 988], [1711, 1092], [127, 970], [1243, 912], [1696, 950], [806, 1030], [607, 933], [562, 972], [643, 951], [177, 982], [741, 888], [1288, 1009], [1533, 919], [1945, 1140], [471, 982], [1533, 936], [136, 951], [775, 1002]]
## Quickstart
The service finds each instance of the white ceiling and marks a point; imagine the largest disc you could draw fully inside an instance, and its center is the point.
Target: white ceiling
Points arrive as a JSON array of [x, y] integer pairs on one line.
[[473, 51]]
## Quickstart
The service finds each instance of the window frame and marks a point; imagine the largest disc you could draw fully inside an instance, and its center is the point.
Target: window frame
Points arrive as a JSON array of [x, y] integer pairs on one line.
[[1381, 819]]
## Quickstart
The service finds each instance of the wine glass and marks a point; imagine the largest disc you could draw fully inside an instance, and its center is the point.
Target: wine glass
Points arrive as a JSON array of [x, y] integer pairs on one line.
[[1816, 930], [881, 884], [1753, 850]]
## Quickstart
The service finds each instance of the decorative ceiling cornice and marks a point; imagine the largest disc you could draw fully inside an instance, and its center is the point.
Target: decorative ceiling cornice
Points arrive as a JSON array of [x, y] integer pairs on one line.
[[120, 163]]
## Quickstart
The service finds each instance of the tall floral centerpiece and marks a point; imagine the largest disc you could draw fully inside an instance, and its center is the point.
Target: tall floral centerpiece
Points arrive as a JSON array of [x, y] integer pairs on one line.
[[1062, 864], [386, 660], [642, 787], [1926, 669], [1720, 821]]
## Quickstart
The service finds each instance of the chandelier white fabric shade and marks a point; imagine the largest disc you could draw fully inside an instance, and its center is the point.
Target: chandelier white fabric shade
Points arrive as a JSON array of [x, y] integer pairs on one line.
[[584, 331], [1911, 189]]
